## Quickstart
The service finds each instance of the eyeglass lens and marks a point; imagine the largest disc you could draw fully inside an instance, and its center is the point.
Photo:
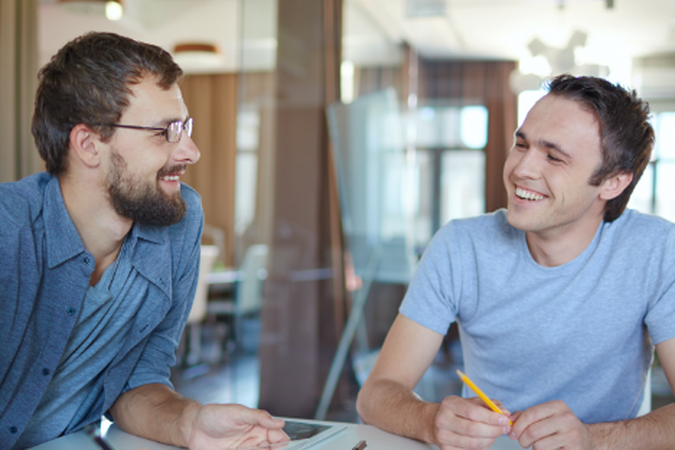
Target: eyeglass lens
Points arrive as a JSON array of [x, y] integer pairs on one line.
[[175, 130]]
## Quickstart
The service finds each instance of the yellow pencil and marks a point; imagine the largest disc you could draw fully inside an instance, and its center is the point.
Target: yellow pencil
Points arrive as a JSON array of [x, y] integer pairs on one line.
[[480, 393]]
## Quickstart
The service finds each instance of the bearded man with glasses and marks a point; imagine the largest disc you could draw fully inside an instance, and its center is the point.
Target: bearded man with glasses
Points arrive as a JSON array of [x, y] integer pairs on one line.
[[99, 258]]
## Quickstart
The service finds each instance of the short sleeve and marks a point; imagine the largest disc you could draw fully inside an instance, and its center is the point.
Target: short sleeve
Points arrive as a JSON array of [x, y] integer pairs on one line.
[[431, 299]]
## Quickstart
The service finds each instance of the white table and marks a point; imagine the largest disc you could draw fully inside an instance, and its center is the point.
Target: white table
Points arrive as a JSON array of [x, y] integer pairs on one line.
[[343, 440]]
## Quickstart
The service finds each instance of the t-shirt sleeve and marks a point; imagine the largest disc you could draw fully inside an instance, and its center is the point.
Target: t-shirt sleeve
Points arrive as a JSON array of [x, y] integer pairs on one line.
[[659, 318], [431, 299]]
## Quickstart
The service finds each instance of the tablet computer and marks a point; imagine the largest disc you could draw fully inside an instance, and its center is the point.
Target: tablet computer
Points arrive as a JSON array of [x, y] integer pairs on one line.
[[304, 434]]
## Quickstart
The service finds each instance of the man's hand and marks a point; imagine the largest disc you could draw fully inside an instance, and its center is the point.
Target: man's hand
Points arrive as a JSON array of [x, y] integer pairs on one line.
[[157, 412], [550, 425], [468, 424], [216, 426]]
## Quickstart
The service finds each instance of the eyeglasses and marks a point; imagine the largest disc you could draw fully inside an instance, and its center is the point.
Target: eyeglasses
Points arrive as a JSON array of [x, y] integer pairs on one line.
[[172, 132]]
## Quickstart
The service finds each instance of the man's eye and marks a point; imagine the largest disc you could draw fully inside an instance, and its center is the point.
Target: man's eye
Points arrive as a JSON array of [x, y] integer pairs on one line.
[[553, 158]]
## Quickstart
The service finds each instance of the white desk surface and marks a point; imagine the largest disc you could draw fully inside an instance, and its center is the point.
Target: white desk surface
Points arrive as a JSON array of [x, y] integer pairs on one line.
[[346, 439]]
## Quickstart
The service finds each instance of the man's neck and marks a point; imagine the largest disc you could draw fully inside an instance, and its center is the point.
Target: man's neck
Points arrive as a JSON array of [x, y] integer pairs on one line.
[[557, 247], [101, 229]]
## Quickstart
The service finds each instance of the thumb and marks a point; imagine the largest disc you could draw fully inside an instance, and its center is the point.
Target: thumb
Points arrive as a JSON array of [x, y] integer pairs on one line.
[[261, 418]]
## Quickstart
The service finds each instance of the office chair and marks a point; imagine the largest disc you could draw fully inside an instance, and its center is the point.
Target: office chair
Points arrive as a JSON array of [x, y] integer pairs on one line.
[[248, 292], [209, 253]]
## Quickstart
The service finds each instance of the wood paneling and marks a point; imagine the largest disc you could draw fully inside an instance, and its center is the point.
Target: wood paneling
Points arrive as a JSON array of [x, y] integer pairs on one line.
[[212, 102]]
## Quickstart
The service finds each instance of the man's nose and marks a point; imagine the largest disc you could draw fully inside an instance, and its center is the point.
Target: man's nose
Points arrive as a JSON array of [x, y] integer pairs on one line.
[[528, 166], [187, 152]]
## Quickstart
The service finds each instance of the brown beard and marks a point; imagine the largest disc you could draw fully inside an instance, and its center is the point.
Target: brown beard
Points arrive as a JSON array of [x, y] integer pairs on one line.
[[144, 203]]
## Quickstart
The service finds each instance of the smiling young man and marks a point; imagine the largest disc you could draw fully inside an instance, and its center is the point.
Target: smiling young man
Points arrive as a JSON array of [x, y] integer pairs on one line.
[[559, 299], [99, 258]]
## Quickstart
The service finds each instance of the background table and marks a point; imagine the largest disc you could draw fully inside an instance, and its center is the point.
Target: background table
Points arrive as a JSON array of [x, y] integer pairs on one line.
[[343, 440]]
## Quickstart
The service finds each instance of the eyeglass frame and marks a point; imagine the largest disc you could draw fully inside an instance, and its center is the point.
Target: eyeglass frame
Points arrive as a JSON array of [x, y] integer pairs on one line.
[[185, 125]]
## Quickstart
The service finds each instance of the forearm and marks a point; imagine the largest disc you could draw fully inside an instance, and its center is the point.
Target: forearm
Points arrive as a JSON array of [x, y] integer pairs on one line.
[[653, 431], [392, 407], [156, 412]]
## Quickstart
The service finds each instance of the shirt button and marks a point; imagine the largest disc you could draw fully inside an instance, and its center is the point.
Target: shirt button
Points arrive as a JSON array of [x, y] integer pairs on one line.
[[45, 371], [71, 311], [13, 429], [85, 260]]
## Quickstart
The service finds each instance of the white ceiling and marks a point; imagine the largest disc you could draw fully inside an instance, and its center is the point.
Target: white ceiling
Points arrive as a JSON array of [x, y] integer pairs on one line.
[[503, 28], [493, 29]]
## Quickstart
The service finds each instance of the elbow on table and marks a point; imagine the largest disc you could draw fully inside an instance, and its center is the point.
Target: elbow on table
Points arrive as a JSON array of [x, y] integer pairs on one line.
[[363, 403]]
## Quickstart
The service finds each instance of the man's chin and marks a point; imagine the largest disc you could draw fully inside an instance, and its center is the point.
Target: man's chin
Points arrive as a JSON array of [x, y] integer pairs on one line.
[[518, 220], [159, 211]]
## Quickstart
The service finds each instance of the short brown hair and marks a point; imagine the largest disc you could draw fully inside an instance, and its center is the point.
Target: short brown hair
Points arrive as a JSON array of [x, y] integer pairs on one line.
[[626, 136]]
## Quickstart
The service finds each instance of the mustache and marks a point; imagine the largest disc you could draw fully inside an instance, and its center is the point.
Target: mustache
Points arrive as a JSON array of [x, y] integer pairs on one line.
[[169, 170]]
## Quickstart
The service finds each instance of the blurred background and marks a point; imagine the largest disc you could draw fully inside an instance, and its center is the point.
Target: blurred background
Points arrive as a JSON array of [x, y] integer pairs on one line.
[[337, 137]]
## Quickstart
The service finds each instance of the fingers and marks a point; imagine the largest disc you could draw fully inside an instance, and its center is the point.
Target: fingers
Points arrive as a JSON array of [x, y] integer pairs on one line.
[[550, 425], [514, 416], [258, 417], [270, 422], [467, 423], [252, 439], [501, 406], [474, 410], [275, 436], [537, 413]]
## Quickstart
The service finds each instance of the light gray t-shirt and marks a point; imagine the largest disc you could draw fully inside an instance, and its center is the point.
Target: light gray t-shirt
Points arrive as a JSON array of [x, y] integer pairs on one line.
[[579, 332]]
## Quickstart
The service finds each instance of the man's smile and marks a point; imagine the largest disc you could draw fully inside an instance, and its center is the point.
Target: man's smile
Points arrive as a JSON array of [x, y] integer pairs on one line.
[[528, 195], [170, 177], [171, 174]]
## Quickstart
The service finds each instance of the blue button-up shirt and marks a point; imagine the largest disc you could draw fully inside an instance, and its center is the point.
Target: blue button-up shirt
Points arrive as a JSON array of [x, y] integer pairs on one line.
[[44, 276]]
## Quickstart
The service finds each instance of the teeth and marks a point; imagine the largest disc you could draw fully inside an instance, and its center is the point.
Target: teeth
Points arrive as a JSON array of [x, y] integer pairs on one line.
[[528, 195], [170, 178]]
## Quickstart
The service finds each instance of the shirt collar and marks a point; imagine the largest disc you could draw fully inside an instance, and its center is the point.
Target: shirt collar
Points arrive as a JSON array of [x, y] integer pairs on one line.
[[63, 240], [150, 256]]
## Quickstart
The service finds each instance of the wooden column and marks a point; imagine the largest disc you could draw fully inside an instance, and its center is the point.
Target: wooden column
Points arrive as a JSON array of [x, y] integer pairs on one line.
[[502, 105], [299, 333], [212, 102]]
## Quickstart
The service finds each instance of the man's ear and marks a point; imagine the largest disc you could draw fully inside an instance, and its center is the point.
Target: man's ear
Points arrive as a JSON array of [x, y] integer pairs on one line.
[[615, 184], [84, 145]]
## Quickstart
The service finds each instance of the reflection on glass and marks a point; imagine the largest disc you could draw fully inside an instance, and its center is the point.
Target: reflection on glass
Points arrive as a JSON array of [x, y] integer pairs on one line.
[[258, 35], [425, 202], [447, 125], [665, 130], [245, 190], [374, 177], [474, 132], [462, 184], [665, 189], [347, 81], [655, 193], [246, 174], [642, 196]]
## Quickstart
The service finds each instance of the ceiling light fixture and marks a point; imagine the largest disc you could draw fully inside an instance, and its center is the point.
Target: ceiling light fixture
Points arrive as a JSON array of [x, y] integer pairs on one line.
[[425, 8], [197, 55], [112, 9], [560, 60]]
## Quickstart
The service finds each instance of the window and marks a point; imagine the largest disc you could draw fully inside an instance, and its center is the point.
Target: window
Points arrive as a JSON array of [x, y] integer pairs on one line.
[[449, 139], [655, 193]]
